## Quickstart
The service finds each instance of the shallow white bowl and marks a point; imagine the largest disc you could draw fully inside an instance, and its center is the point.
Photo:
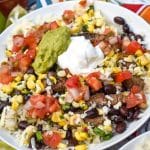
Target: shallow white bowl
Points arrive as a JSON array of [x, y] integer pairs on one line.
[[133, 144], [137, 24]]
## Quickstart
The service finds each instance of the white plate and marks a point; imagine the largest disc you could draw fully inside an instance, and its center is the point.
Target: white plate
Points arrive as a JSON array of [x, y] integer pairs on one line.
[[137, 24], [136, 141]]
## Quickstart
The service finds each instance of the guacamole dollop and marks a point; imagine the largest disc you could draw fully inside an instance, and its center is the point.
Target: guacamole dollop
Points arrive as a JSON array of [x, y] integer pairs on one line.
[[53, 43]]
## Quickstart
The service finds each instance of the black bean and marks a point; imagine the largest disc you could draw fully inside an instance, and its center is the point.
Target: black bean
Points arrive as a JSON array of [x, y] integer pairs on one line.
[[116, 118], [109, 89], [138, 36], [3, 104], [39, 145], [131, 36], [124, 111], [119, 20], [73, 142], [113, 112], [30, 71], [22, 124], [68, 134], [136, 114], [126, 28], [39, 127], [130, 116], [16, 92], [26, 97], [120, 127], [92, 113]]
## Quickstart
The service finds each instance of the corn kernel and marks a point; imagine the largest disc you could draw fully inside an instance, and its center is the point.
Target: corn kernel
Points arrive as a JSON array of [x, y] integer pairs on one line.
[[17, 98], [32, 77], [13, 84], [116, 69], [8, 53], [142, 60], [62, 146], [81, 136], [75, 104], [91, 28], [41, 76], [108, 128], [56, 116], [18, 78], [148, 67], [53, 79], [85, 17], [63, 122], [99, 22], [110, 55], [147, 55], [81, 147], [130, 58], [79, 20], [91, 12], [139, 53], [15, 105], [41, 85], [30, 84], [75, 29], [7, 88]]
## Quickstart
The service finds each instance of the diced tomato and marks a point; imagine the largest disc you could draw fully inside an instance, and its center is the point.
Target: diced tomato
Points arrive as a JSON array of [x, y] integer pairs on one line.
[[5, 75], [54, 25], [52, 104], [18, 42], [134, 99], [135, 89], [83, 3], [68, 16], [31, 53], [73, 82], [5, 78], [24, 63], [94, 83], [37, 98], [52, 140], [133, 47], [30, 41], [37, 113], [54, 107], [124, 75], [94, 74], [42, 105]]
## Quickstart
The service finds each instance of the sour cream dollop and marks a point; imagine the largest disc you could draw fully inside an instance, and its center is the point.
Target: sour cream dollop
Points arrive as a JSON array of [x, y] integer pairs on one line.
[[80, 57]]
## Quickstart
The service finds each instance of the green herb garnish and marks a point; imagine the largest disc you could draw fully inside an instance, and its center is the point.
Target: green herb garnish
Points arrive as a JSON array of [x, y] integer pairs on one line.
[[38, 135], [102, 134], [66, 106], [85, 28]]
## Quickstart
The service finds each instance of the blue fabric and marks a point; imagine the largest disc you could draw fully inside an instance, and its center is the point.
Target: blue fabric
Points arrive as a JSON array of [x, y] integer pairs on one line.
[[39, 3]]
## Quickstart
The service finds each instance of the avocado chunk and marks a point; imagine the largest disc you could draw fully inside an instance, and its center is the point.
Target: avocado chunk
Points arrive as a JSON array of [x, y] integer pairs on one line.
[[53, 44]]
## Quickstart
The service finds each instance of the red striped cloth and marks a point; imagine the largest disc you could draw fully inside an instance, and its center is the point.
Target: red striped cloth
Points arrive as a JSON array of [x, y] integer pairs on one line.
[[141, 9]]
